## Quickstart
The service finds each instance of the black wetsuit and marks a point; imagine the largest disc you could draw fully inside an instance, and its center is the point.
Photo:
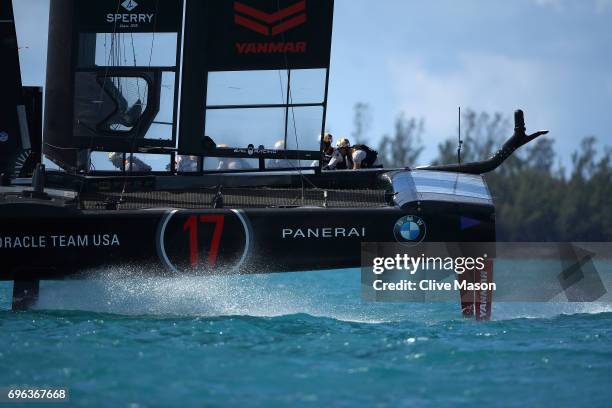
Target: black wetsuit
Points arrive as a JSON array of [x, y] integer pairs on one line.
[[371, 156], [326, 156], [346, 163]]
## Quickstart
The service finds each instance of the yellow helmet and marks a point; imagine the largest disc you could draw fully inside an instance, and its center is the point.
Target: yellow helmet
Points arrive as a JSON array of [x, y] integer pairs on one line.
[[344, 142], [328, 138]]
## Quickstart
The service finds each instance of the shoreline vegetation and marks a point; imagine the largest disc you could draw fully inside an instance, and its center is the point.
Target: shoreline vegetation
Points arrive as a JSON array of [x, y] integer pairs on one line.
[[537, 199]]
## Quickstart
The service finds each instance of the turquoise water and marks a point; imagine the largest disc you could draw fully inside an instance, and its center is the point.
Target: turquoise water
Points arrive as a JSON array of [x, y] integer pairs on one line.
[[298, 340]]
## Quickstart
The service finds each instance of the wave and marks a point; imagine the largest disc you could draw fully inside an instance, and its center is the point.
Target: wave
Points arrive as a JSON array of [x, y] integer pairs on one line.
[[331, 294]]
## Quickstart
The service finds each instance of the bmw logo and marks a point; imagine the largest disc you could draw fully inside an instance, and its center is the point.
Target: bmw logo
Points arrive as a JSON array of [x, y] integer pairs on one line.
[[410, 229]]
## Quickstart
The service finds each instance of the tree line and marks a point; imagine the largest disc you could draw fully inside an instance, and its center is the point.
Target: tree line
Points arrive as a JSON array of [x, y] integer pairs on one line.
[[537, 199]]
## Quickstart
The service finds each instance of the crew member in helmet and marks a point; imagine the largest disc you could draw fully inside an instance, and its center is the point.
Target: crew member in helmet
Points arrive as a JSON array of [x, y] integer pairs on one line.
[[132, 163], [347, 157], [281, 163], [117, 159], [341, 158], [327, 150]]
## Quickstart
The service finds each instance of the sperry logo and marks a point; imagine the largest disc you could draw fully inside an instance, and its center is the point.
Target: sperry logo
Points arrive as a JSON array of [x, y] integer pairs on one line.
[[132, 20], [270, 24], [129, 5]]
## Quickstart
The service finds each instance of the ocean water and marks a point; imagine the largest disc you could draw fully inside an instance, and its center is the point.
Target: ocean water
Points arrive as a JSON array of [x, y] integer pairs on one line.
[[298, 340]]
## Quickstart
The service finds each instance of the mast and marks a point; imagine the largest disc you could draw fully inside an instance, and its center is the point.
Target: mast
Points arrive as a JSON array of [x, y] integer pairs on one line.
[[59, 95], [13, 126]]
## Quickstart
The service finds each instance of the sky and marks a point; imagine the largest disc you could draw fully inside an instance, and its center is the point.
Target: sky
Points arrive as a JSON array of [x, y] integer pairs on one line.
[[551, 58]]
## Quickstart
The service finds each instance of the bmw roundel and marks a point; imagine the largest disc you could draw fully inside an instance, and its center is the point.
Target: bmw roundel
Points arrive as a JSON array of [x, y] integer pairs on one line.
[[410, 229]]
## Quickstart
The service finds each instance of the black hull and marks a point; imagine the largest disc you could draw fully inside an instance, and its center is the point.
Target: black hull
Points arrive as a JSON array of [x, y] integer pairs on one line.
[[141, 226], [44, 241]]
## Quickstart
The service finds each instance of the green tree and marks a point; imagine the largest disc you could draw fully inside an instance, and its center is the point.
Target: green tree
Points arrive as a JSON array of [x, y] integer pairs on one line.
[[536, 199], [405, 147], [585, 211], [361, 121], [481, 134]]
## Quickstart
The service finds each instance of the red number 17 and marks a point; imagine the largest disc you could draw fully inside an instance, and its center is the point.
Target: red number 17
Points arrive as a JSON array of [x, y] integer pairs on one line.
[[192, 226]]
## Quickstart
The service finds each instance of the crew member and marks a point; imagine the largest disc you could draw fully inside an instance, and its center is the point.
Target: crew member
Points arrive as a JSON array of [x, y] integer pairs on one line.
[[281, 163], [341, 158], [327, 149], [364, 157], [132, 163], [352, 157], [187, 164], [231, 163]]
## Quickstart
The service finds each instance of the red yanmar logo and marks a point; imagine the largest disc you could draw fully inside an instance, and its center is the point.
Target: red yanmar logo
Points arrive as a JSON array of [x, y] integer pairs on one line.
[[270, 24]]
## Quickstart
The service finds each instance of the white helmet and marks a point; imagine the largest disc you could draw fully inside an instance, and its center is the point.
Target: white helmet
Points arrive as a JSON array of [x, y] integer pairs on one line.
[[279, 145]]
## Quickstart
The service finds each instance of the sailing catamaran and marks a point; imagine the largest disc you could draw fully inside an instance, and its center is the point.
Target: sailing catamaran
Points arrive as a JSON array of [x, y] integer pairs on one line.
[[238, 88]]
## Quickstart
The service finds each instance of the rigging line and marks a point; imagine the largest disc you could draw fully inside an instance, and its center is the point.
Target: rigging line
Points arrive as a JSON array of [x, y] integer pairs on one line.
[[124, 50], [106, 71], [154, 30], [140, 96], [132, 147], [302, 177], [282, 89], [133, 48], [287, 110], [297, 143], [285, 98]]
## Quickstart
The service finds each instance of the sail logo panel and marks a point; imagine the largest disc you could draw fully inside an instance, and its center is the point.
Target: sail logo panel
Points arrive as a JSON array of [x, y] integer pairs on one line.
[[128, 16], [260, 21], [261, 34], [129, 5]]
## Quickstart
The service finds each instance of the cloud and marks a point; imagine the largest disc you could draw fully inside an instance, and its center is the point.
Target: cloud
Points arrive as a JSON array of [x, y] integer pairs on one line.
[[603, 5], [599, 6], [483, 82], [558, 5], [609, 85]]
